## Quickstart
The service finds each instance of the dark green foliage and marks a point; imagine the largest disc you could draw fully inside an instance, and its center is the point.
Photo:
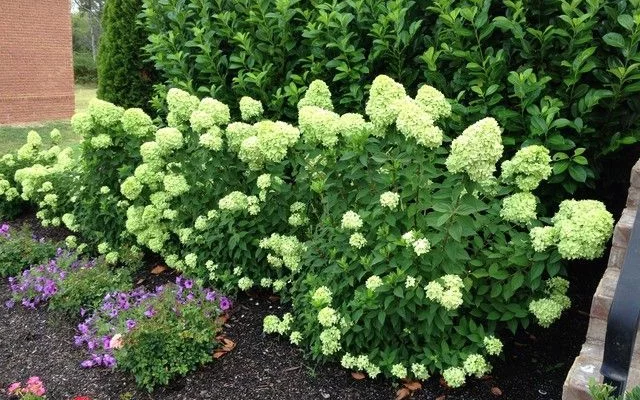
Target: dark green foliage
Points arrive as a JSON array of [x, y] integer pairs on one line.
[[19, 250], [564, 74], [86, 287], [123, 77], [84, 68], [601, 391]]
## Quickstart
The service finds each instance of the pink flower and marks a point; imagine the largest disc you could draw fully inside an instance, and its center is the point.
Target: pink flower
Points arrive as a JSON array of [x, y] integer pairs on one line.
[[116, 341], [13, 388]]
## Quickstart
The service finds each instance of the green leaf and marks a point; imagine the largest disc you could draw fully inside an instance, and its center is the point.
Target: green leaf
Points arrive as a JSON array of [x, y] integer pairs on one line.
[[614, 39], [578, 173]]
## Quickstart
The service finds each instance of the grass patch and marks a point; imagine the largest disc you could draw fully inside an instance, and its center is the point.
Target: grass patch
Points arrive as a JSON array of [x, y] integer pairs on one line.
[[14, 136]]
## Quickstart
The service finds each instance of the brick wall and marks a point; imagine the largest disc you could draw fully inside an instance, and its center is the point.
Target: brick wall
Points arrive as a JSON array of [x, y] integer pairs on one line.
[[36, 64], [587, 365]]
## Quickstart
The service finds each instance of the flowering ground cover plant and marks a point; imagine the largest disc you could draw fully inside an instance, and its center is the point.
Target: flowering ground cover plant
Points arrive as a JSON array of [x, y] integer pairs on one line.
[[19, 249], [154, 335], [404, 247], [33, 389]]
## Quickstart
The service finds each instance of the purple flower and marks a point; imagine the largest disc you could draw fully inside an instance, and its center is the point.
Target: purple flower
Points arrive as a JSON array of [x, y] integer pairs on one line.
[[83, 328], [105, 342], [150, 312], [10, 303], [78, 340], [87, 364], [225, 304], [188, 284], [211, 296], [108, 361], [179, 281], [131, 324]]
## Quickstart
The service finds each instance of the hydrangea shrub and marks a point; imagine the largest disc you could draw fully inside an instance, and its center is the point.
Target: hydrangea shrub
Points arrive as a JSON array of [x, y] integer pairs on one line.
[[404, 247]]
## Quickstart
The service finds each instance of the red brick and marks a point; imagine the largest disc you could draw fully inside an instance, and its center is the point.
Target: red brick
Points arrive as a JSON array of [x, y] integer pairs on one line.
[[36, 67]]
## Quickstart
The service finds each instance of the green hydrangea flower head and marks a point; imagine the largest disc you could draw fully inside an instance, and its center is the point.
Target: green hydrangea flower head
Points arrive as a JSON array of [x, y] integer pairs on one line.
[[318, 125], [353, 127], [234, 201], [420, 371], [55, 136], [528, 167], [169, 139], [330, 341], [321, 297], [475, 364], [382, 106], [82, 124], [181, 105], [414, 122], [175, 184], [399, 371], [492, 345], [104, 113], [137, 123], [454, 376], [210, 113], [212, 139], [327, 317], [434, 102], [101, 141], [236, 133], [250, 109], [318, 95], [270, 143], [519, 208], [476, 151], [583, 228], [152, 154], [131, 188]]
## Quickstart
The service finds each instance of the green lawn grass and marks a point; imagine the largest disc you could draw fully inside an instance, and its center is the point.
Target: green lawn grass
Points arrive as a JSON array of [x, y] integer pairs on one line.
[[14, 136]]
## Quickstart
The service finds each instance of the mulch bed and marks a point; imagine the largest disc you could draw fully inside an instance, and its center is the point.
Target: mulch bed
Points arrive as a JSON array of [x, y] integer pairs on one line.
[[267, 367]]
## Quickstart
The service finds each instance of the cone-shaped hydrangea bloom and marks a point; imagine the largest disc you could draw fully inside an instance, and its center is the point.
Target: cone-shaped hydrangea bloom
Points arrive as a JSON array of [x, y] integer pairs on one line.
[[210, 113], [528, 167], [353, 127], [104, 113], [382, 107], [519, 208], [55, 136], [181, 105], [288, 248], [330, 340], [476, 364], [389, 200], [357, 240], [101, 141], [547, 310], [169, 139], [477, 150], [454, 376], [236, 133], [493, 345], [416, 123], [131, 188], [327, 317], [434, 102], [373, 282], [137, 123], [318, 125], [250, 108], [399, 371], [82, 124], [234, 201], [351, 220], [270, 143], [317, 95], [212, 139], [321, 297], [583, 228]]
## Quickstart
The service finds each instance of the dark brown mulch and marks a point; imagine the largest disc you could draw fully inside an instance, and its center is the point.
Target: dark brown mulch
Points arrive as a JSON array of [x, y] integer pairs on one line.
[[267, 367]]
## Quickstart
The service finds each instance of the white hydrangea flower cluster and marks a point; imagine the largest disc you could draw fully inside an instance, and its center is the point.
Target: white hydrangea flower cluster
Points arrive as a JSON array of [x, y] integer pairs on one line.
[[421, 246], [55, 136], [250, 108], [318, 125], [390, 200], [519, 208], [212, 139], [210, 113], [288, 250], [399, 371], [360, 363], [131, 188], [447, 291], [492, 345], [137, 123], [351, 221], [384, 95], [273, 324], [454, 376], [548, 309], [373, 282], [82, 124], [434, 102], [330, 341], [181, 105], [354, 128], [328, 317], [175, 184], [298, 215], [414, 121], [245, 283], [104, 113], [420, 371], [295, 337], [321, 297], [234, 201], [476, 151], [528, 167], [476, 365], [580, 229], [317, 95], [357, 240], [269, 142], [101, 141], [169, 139]]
